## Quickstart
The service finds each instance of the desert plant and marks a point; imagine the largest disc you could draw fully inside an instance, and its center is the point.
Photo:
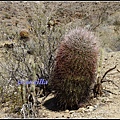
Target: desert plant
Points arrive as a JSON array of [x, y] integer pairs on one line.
[[75, 68], [32, 55]]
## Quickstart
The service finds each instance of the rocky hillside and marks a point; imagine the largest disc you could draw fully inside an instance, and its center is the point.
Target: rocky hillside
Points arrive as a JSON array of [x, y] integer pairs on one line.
[[102, 18]]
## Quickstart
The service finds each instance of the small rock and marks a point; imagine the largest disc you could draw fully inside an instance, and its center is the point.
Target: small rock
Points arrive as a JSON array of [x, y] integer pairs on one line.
[[48, 114], [24, 33], [71, 111], [66, 111], [81, 110], [43, 114], [108, 78], [95, 106], [15, 93], [111, 55], [68, 116], [105, 58], [74, 115], [71, 115], [89, 109]]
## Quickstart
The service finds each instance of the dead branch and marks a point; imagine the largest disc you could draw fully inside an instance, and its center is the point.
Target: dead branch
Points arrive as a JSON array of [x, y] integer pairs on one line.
[[118, 70], [97, 90], [100, 17], [107, 73], [109, 92], [106, 80]]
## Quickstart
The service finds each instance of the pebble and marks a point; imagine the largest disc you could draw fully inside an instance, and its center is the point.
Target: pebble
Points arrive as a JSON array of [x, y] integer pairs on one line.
[[48, 114], [89, 109], [68, 116], [95, 106], [105, 58], [43, 114], [15, 93], [66, 111], [81, 110], [74, 115], [71, 111], [111, 55]]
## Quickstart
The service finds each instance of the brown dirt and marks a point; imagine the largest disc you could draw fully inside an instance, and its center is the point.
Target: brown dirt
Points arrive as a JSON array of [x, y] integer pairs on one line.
[[106, 106]]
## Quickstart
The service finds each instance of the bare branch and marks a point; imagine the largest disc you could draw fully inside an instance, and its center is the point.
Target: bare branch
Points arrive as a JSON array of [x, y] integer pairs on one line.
[[118, 70], [107, 73], [109, 92], [111, 82]]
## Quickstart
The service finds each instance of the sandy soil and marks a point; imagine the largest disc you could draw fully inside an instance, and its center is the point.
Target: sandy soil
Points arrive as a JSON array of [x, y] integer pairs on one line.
[[106, 106]]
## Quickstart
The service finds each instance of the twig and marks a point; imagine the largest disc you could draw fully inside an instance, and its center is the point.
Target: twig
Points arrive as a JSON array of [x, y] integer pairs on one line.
[[118, 70], [42, 102], [107, 72], [110, 81], [109, 92]]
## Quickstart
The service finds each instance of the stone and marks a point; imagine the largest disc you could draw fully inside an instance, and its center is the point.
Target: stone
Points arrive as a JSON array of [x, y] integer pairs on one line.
[[95, 106], [74, 115], [43, 114], [71, 115], [24, 33], [71, 111], [66, 111], [89, 109], [68, 116], [81, 110]]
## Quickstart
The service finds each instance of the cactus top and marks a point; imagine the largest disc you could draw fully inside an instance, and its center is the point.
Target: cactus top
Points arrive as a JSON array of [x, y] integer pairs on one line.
[[80, 37]]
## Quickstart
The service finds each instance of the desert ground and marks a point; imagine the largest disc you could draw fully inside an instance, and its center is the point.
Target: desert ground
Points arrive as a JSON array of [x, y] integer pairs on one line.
[[103, 18]]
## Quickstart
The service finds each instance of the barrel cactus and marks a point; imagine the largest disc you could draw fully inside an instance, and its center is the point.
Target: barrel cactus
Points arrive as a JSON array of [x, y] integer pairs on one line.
[[75, 68]]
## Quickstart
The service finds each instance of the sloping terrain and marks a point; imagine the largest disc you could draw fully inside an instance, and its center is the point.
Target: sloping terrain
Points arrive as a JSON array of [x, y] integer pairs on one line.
[[101, 18]]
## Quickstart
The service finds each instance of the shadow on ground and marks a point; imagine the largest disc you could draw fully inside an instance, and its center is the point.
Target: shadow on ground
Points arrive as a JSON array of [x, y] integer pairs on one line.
[[51, 104]]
